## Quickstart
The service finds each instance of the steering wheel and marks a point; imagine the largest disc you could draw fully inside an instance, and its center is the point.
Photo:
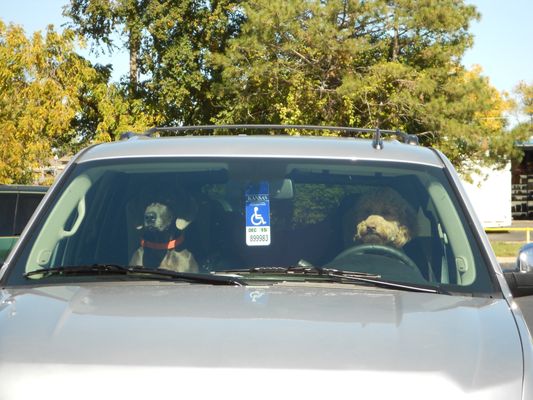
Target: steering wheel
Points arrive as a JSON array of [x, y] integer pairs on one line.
[[379, 249]]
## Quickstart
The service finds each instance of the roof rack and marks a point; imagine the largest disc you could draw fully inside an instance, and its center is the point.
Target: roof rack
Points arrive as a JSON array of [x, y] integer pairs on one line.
[[377, 141]]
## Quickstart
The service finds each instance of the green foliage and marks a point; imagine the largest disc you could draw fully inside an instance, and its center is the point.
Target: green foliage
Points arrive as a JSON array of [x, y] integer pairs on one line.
[[52, 102], [525, 93], [309, 211], [392, 64], [169, 44], [39, 82], [395, 64], [102, 20], [524, 130]]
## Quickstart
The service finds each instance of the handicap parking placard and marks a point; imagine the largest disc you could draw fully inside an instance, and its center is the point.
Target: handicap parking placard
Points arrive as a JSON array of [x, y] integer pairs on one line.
[[257, 203]]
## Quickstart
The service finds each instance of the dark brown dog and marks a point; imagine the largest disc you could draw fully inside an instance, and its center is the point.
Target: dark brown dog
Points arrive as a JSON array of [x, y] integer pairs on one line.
[[163, 240]]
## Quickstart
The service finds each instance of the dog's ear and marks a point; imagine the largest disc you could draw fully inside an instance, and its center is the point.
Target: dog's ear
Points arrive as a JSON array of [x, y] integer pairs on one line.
[[402, 237], [186, 208], [181, 223]]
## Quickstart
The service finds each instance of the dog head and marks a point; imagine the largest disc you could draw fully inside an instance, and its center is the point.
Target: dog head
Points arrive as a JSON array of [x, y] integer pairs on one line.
[[384, 217], [157, 217], [166, 217]]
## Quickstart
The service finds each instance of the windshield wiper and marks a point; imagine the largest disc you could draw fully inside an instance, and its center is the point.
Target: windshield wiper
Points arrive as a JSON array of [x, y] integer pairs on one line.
[[389, 284], [335, 275], [297, 270], [114, 269]]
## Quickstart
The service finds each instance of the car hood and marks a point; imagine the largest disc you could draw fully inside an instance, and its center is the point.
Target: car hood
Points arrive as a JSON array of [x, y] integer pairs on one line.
[[157, 340]]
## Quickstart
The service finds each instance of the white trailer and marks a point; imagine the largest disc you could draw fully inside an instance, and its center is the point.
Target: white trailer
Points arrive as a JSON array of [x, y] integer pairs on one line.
[[490, 194]]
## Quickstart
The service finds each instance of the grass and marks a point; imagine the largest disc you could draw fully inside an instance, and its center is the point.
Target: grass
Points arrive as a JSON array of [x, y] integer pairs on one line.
[[506, 249]]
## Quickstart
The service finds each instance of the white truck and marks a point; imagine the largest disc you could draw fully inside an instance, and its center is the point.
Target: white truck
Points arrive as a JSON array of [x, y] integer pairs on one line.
[[490, 194]]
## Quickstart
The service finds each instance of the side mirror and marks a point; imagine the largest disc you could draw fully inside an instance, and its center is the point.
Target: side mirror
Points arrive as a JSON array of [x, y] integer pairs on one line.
[[520, 280], [524, 261]]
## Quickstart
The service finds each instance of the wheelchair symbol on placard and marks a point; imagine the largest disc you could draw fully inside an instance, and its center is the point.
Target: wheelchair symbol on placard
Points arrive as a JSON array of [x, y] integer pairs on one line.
[[256, 218]]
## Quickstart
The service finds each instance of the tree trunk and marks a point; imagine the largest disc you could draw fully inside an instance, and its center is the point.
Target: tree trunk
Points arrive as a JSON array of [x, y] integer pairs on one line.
[[134, 47], [395, 43]]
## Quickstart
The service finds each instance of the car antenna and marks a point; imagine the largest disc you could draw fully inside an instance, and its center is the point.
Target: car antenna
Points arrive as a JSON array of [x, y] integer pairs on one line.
[[377, 141]]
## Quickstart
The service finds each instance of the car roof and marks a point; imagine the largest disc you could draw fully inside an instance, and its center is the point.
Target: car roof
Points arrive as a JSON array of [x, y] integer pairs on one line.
[[274, 146], [23, 188]]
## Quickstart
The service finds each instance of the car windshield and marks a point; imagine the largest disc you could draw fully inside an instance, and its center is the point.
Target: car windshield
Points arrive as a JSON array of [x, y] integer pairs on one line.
[[254, 217]]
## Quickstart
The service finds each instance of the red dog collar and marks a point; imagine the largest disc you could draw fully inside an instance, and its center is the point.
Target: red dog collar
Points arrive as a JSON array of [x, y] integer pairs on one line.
[[162, 246]]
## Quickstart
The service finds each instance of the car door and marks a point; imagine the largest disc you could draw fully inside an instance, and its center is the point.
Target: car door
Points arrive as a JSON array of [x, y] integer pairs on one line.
[[16, 210], [8, 206]]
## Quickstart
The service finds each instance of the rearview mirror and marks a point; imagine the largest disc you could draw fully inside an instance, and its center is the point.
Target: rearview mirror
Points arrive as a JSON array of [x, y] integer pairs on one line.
[[281, 189]]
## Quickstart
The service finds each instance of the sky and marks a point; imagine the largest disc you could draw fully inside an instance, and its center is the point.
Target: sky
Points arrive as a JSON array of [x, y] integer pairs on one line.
[[503, 38], [36, 15]]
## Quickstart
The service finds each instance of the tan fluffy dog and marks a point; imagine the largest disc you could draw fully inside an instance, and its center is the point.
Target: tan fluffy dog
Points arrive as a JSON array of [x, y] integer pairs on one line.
[[384, 217]]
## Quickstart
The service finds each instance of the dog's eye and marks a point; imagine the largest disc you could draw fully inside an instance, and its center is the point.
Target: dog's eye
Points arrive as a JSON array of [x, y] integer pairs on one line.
[[150, 218]]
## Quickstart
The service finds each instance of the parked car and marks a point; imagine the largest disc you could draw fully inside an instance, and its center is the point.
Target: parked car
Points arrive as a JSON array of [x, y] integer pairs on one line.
[[17, 204], [264, 266]]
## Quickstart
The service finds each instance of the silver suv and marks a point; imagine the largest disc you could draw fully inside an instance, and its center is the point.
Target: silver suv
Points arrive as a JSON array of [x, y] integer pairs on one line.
[[264, 266]]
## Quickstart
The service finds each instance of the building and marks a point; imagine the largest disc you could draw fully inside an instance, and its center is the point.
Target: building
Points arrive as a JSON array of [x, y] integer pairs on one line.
[[522, 184]]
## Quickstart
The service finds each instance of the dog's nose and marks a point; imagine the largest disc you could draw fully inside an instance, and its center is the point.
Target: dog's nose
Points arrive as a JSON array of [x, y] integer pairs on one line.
[[371, 224], [371, 228]]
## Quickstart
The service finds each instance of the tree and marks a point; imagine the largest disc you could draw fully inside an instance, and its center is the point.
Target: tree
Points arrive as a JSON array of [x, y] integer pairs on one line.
[[106, 112], [392, 64], [523, 131], [103, 20], [525, 94], [52, 101], [169, 43], [39, 81]]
